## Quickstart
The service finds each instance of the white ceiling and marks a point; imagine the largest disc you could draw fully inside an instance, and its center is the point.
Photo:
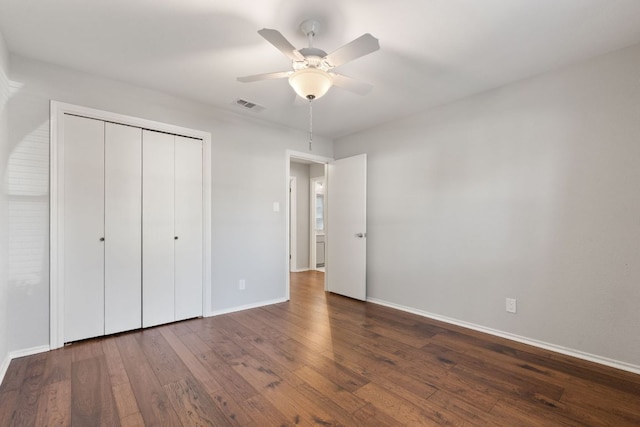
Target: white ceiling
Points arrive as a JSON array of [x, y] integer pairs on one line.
[[432, 51]]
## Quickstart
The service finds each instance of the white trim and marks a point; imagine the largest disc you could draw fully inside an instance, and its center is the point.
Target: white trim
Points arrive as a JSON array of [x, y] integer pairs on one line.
[[28, 351], [4, 367], [247, 307], [206, 206], [20, 353], [58, 109], [56, 228], [300, 270], [313, 233], [293, 223], [513, 337], [291, 154]]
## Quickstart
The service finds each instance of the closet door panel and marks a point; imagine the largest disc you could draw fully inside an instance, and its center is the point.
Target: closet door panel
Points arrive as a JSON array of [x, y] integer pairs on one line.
[[83, 228], [123, 228], [157, 228], [189, 228]]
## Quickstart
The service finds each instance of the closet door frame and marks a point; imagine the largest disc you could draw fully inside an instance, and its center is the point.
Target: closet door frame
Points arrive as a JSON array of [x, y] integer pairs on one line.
[[56, 208]]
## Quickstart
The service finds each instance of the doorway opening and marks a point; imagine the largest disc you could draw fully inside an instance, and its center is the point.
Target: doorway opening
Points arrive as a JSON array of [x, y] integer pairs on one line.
[[306, 215]]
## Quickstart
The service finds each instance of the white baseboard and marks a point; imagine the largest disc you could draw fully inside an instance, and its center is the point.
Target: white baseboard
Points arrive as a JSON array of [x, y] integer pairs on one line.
[[246, 307], [541, 344], [28, 351], [4, 366], [299, 270], [19, 353]]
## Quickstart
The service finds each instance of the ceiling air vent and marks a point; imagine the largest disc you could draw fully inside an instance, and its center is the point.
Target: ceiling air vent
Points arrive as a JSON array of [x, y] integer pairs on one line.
[[249, 105]]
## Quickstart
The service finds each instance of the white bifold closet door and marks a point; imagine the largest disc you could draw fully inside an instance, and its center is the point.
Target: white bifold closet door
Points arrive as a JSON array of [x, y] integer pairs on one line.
[[83, 228], [172, 259], [158, 298], [102, 222], [123, 228], [189, 261]]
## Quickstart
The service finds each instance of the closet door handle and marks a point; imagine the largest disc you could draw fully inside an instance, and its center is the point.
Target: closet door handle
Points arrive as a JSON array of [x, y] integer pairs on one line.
[[175, 238], [102, 239]]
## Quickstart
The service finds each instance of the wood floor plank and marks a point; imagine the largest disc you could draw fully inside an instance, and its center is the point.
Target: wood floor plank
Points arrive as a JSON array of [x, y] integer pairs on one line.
[[87, 349], [128, 409], [150, 396], [8, 401], [115, 367], [58, 366], [126, 403], [92, 401], [227, 377], [463, 409], [221, 399], [341, 397], [516, 412], [297, 408], [133, 420], [618, 408], [197, 369], [30, 391], [370, 415], [273, 388], [54, 408], [419, 383], [319, 360], [399, 408], [194, 406], [14, 378], [167, 365], [263, 413]]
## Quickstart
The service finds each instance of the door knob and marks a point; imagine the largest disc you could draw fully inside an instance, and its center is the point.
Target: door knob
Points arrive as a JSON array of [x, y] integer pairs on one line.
[[361, 235], [102, 239], [175, 238]]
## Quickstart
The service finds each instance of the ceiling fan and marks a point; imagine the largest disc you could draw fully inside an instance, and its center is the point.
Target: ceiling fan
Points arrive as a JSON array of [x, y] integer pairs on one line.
[[312, 74]]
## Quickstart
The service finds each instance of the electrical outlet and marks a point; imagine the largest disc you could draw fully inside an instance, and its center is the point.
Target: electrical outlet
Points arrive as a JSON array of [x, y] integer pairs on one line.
[[241, 285], [511, 305]]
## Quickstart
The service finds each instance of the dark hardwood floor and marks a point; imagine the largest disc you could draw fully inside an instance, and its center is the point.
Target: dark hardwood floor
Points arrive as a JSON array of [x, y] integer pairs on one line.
[[320, 359]]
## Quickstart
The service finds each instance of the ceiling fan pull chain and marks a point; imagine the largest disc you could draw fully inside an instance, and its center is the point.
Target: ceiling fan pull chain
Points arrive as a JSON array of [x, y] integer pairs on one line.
[[310, 124]]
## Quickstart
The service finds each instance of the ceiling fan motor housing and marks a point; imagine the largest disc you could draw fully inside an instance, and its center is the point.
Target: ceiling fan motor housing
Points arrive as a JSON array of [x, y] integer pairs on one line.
[[313, 57]]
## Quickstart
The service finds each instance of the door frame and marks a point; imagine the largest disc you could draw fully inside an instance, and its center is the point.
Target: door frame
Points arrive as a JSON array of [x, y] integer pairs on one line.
[[291, 154], [313, 256], [56, 207], [293, 224]]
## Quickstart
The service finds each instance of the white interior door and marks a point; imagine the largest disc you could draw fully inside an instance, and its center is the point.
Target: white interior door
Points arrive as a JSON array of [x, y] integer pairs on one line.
[[83, 228], [188, 228], [347, 227], [123, 228], [158, 299]]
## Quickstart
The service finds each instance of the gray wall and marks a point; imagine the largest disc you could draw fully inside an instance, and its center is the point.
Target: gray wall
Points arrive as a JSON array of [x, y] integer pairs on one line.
[[301, 172], [316, 170], [248, 175], [4, 223], [529, 191]]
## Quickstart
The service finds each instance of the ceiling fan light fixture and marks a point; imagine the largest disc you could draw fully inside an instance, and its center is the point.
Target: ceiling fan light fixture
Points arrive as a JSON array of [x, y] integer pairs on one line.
[[311, 83]]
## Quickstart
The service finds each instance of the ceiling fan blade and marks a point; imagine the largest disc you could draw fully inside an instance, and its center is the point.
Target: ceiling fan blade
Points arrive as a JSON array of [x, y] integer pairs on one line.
[[363, 45], [275, 38], [352, 85], [267, 76]]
